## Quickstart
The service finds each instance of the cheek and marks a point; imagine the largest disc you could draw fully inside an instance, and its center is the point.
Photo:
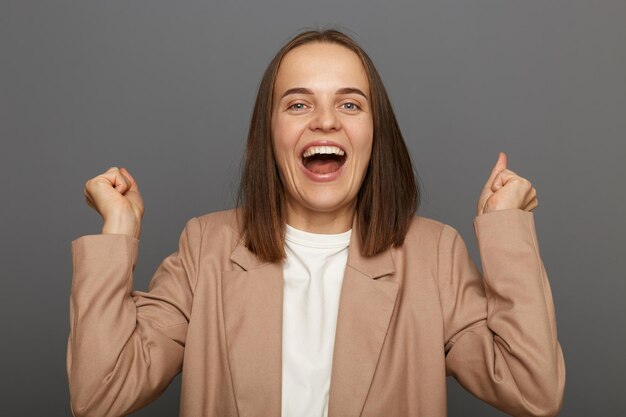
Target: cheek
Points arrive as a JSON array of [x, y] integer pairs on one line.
[[280, 141], [285, 135], [362, 140], [283, 152]]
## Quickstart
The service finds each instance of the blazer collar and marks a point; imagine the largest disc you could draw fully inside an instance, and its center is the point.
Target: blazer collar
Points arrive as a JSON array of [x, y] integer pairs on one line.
[[373, 266], [244, 258]]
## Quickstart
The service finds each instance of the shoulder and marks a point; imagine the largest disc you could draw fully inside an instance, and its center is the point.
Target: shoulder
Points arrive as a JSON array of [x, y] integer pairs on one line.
[[425, 228], [429, 234], [216, 226], [213, 235], [223, 219]]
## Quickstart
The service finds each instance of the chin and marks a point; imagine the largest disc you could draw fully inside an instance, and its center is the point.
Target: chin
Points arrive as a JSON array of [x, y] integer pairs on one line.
[[325, 201]]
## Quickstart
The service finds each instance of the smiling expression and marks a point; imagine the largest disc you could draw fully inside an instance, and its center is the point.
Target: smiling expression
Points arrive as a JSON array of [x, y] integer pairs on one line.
[[322, 131]]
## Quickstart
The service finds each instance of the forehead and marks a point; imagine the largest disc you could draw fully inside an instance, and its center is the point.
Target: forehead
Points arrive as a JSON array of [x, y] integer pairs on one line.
[[322, 66]]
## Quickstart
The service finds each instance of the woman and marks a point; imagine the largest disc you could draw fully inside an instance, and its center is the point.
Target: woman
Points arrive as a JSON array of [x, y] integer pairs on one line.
[[323, 294]]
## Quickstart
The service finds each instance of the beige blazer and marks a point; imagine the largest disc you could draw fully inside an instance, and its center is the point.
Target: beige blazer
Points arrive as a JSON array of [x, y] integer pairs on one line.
[[407, 318]]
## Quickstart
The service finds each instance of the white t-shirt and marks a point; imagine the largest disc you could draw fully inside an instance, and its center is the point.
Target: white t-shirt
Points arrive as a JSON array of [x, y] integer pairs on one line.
[[313, 274]]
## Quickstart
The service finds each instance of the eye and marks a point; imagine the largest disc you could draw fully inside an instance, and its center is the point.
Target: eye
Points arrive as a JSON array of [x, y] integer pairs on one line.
[[297, 106], [351, 106]]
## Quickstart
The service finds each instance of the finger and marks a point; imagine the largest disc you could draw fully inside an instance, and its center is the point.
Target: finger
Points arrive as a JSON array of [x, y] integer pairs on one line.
[[532, 204], [118, 174], [502, 178], [89, 202], [114, 178], [497, 183], [531, 195], [481, 210], [86, 193], [122, 184], [117, 179], [499, 166], [132, 184]]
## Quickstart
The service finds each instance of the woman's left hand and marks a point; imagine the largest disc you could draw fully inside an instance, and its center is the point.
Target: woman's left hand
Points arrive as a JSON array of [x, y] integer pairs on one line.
[[505, 190]]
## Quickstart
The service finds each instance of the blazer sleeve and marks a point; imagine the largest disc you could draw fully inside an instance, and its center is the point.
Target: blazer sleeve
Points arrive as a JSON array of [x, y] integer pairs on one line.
[[500, 329], [125, 347]]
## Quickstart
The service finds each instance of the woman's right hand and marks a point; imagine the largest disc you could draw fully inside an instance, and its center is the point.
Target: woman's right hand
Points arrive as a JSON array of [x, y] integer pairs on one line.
[[115, 196]]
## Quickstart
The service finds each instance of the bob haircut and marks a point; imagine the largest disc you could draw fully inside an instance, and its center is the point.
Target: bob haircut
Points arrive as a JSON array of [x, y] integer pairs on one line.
[[387, 198]]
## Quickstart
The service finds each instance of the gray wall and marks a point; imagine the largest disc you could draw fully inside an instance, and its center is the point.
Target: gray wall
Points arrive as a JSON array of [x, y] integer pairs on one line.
[[166, 89]]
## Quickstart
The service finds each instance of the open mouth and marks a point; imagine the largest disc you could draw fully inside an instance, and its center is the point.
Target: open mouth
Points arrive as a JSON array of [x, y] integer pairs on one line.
[[323, 159]]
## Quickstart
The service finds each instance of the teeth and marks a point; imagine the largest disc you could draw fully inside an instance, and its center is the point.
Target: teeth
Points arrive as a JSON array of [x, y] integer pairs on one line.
[[323, 150]]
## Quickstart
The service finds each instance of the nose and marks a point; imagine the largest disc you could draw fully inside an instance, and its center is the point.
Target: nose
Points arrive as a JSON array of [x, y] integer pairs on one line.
[[325, 119]]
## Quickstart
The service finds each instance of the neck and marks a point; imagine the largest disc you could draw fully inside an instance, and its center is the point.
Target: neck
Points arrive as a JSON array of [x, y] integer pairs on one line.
[[331, 222]]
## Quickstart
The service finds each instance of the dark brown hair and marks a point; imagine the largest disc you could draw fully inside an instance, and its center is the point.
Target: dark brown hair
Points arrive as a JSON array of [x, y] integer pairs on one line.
[[389, 194]]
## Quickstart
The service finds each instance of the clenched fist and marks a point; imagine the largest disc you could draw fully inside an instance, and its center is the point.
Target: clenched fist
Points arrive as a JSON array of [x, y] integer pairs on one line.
[[115, 196], [505, 189]]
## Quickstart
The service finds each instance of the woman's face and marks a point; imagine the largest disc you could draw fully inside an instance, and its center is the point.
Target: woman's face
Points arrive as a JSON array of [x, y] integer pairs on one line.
[[322, 129]]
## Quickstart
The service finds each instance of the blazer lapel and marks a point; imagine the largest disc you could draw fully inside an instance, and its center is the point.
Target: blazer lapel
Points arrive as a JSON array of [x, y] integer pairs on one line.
[[252, 304], [365, 306], [252, 301]]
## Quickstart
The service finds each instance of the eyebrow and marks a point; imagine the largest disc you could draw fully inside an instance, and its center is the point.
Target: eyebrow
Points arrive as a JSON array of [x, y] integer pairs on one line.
[[302, 90]]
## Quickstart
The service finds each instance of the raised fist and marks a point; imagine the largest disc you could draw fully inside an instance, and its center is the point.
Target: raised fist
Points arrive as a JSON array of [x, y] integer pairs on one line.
[[115, 196]]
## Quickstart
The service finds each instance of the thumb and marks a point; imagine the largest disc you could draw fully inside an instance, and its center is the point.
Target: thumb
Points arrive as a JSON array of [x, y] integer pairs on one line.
[[132, 184], [497, 168]]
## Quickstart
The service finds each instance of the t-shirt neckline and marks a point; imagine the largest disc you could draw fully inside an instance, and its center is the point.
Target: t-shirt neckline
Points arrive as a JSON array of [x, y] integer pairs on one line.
[[317, 240]]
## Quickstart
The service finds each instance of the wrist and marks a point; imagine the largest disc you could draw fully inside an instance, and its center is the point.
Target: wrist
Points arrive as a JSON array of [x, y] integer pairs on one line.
[[122, 226]]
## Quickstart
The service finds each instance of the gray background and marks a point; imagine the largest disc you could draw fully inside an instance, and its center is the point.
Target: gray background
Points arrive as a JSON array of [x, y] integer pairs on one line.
[[166, 89]]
